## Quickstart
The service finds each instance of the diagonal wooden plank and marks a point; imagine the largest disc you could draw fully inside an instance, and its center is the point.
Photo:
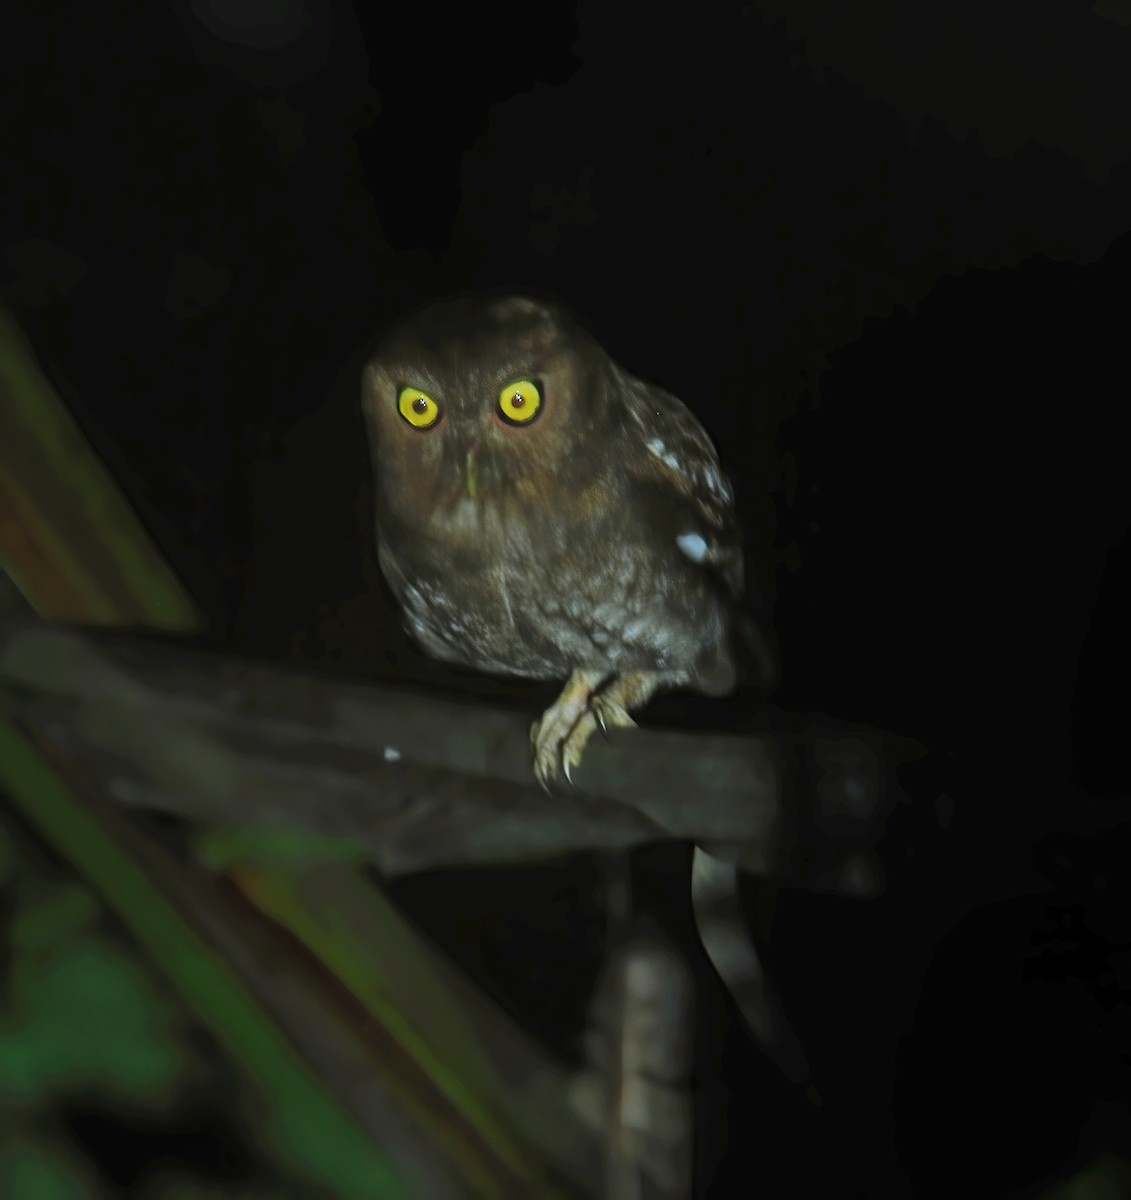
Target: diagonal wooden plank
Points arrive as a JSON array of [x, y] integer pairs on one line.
[[69, 539]]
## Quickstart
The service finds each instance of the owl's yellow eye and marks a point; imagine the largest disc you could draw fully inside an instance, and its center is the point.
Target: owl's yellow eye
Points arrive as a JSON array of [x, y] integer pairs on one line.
[[418, 408], [519, 402]]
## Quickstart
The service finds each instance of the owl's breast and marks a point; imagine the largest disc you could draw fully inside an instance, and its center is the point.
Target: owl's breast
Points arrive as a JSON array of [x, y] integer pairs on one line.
[[480, 601], [539, 593]]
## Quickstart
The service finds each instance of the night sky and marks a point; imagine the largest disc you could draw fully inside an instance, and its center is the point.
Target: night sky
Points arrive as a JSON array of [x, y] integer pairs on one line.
[[883, 252]]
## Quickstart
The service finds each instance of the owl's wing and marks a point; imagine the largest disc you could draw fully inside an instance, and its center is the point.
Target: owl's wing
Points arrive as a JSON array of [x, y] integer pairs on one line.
[[679, 458]]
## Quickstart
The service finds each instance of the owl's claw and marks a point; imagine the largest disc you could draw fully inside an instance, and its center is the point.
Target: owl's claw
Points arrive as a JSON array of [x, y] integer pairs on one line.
[[544, 772], [608, 713], [573, 748], [555, 756]]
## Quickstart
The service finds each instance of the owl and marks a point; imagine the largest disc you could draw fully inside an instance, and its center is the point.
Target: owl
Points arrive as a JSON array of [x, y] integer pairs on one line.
[[541, 512]]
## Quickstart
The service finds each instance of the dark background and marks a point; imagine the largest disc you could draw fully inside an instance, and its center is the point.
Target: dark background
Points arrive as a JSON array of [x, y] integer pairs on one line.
[[882, 252]]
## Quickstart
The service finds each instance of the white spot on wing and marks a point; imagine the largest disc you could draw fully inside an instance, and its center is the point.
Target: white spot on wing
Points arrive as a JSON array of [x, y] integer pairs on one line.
[[693, 545], [660, 451], [392, 754]]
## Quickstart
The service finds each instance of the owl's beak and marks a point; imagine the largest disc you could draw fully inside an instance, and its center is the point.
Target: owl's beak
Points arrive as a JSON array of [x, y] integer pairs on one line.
[[471, 474]]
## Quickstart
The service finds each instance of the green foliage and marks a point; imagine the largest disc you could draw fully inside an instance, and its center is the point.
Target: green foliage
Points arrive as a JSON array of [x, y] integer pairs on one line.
[[232, 845], [40, 1171], [80, 1018], [84, 1017]]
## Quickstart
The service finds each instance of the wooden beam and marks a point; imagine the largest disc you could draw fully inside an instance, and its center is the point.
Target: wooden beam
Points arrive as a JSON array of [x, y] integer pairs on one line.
[[413, 779]]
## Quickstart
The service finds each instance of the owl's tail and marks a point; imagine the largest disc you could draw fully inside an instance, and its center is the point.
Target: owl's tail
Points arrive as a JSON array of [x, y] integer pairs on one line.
[[731, 948]]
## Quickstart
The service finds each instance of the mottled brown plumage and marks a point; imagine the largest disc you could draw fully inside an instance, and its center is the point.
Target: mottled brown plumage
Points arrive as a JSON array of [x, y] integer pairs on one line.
[[595, 541]]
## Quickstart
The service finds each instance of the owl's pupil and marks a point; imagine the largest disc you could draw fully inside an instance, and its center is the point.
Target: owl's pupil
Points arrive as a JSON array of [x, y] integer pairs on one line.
[[518, 399], [420, 405]]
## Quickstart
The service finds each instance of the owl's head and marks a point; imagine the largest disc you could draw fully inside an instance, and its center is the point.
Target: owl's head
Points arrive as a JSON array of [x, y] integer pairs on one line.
[[475, 400]]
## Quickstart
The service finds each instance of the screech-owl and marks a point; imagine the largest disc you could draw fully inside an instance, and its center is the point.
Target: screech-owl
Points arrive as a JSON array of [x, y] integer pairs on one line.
[[541, 512]]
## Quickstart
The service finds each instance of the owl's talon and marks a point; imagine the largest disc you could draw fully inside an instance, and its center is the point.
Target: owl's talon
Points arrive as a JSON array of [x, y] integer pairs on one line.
[[608, 713], [565, 771]]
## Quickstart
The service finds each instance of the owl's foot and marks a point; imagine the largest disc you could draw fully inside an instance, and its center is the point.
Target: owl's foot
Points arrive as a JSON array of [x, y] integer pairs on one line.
[[604, 713], [560, 737], [549, 735]]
